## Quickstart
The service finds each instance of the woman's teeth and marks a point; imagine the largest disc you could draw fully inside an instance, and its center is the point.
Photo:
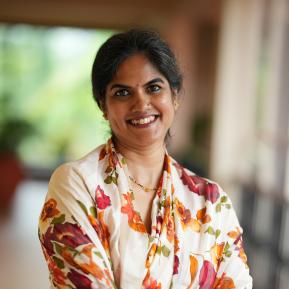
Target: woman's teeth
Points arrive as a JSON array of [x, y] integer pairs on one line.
[[145, 120]]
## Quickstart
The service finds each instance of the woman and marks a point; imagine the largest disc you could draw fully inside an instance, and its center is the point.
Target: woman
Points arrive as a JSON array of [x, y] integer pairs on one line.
[[127, 215]]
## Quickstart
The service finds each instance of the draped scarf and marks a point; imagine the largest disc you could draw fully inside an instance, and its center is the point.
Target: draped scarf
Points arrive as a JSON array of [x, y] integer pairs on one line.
[[93, 236]]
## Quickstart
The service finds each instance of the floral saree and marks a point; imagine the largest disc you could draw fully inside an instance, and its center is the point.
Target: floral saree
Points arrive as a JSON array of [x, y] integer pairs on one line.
[[92, 235]]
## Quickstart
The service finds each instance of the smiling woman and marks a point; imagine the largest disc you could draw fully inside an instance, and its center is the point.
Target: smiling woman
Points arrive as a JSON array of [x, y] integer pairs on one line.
[[127, 215], [139, 104]]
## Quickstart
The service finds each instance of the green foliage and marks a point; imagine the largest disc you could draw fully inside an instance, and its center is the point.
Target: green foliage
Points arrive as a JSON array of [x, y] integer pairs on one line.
[[45, 93]]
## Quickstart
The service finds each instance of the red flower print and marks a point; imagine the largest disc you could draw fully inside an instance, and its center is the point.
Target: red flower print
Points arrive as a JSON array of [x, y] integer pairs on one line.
[[79, 280], [176, 265], [68, 234], [102, 200], [207, 275], [199, 186], [239, 245], [159, 224], [167, 164], [49, 210]]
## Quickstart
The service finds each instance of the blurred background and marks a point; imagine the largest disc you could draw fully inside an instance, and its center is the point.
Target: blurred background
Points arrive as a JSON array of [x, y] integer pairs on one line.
[[232, 126]]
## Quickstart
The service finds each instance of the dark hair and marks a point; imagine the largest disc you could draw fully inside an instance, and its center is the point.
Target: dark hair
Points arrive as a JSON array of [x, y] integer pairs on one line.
[[123, 45]]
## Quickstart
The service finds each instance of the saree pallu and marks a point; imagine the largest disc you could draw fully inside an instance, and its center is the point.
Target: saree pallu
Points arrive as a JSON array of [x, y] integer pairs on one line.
[[92, 235]]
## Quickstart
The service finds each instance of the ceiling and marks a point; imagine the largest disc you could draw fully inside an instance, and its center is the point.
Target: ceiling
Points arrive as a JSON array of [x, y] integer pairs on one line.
[[103, 13]]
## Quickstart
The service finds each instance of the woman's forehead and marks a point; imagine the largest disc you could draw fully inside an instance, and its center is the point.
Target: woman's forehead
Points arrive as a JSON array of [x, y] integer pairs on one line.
[[136, 68]]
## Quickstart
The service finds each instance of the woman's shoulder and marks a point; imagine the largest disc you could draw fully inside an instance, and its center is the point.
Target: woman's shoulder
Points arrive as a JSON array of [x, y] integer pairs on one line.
[[82, 168], [209, 190]]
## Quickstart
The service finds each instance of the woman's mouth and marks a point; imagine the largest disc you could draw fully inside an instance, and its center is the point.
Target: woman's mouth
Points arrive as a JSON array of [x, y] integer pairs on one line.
[[144, 121]]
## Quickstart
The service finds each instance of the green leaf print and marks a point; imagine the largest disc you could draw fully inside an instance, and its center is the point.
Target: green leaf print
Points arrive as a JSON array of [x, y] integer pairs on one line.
[[98, 255], [218, 232], [82, 206], [159, 250], [223, 203], [218, 208], [58, 248], [59, 263], [166, 251], [108, 180], [58, 220], [93, 211], [108, 170], [228, 254], [226, 251], [114, 180], [224, 199], [210, 231]]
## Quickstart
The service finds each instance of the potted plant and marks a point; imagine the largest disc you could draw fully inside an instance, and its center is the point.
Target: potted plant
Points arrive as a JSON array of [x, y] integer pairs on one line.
[[12, 132]]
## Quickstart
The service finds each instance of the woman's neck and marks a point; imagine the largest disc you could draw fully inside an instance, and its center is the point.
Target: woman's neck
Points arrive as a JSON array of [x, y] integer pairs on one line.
[[145, 165]]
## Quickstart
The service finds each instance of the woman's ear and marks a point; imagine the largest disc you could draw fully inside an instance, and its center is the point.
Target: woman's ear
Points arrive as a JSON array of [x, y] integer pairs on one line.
[[102, 107]]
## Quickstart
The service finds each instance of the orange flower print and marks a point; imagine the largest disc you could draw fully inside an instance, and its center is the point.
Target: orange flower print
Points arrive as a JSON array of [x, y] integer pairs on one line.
[[170, 229], [150, 283], [90, 267], [202, 216], [176, 258], [57, 275], [102, 153], [237, 235], [234, 234], [134, 219], [101, 229], [185, 216], [216, 254], [193, 269], [49, 210], [151, 254], [224, 283], [167, 167]]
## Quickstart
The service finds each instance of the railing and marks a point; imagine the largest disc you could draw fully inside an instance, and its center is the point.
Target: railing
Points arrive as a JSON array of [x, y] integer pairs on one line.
[[265, 220]]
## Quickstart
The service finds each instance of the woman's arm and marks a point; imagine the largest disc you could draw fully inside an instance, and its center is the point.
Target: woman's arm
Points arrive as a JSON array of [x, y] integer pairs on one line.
[[233, 271], [73, 236]]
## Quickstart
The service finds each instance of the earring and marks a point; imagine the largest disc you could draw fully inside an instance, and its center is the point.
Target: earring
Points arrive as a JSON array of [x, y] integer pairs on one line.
[[176, 104]]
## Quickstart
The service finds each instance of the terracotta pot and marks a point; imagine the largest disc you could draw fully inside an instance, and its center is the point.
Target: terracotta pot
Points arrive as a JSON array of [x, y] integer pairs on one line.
[[11, 174]]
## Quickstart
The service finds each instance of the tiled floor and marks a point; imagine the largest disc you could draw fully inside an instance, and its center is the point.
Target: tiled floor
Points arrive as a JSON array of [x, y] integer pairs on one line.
[[22, 264]]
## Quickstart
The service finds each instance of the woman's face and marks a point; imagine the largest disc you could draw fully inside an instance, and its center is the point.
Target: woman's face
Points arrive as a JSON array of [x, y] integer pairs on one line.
[[139, 103]]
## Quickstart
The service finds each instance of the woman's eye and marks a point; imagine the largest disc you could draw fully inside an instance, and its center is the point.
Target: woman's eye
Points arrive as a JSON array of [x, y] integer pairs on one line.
[[154, 88], [122, 92]]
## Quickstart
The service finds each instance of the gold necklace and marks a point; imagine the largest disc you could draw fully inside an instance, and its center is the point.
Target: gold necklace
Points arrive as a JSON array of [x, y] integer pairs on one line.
[[144, 188]]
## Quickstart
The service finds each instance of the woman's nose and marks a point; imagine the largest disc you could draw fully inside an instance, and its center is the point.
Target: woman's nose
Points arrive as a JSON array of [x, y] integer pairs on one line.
[[141, 100]]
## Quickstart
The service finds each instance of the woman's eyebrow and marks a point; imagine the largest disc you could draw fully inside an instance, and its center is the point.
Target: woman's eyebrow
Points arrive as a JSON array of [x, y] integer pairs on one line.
[[118, 85], [154, 81]]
